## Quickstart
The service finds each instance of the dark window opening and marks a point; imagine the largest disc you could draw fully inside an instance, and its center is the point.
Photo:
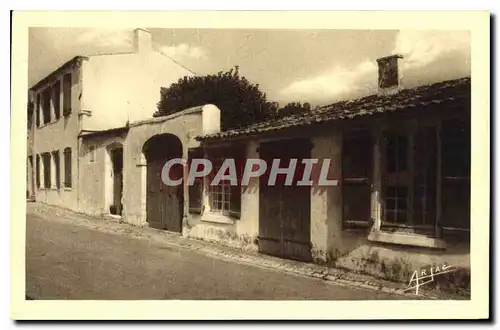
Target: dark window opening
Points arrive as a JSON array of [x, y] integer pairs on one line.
[[56, 99], [55, 155], [46, 170], [30, 115], [67, 94], [38, 110], [67, 167], [46, 105], [38, 171]]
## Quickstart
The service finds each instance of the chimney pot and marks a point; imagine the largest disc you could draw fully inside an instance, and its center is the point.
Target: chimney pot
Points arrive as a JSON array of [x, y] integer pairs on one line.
[[142, 40], [389, 77]]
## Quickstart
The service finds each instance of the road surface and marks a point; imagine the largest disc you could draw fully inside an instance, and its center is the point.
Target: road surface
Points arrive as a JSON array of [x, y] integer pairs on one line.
[[66, 261]]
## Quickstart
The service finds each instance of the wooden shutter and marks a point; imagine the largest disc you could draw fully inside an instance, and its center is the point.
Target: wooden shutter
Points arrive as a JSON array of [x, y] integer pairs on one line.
[[67, 94], [67, 167], [37, 110], [38, 171], [238, 152], [455, 176], [357, 161], [195, 190], [55, 154], [56, 98]]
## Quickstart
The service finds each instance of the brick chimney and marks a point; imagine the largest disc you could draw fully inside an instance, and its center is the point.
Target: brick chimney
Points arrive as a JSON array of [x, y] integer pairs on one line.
[[142, 40], [389, 77]]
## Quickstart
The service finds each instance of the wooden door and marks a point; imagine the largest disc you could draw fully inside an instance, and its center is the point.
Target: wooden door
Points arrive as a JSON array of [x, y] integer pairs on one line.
[[164, 203], [284, 211], [173, 202], [155, 197]]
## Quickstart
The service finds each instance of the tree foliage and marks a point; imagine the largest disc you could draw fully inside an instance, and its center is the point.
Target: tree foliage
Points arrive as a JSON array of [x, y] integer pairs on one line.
[[293, 108], [241, 102]]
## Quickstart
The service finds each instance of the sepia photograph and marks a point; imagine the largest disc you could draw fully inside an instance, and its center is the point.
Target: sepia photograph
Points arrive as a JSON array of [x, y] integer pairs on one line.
[[251, 163]]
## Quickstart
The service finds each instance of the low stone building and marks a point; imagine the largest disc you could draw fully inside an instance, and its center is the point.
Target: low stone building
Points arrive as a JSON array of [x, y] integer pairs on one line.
[[402, 162]]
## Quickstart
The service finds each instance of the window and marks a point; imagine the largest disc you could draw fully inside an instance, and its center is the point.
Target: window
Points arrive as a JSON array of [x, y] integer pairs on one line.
[[91, 154], [396, 178], [38, 171], [67, 167], [46, 170], [224, 198], [357, 160], [46, 105], [219, 195], [410, 180], [55, 157], [38, 110], [67, 94], [396, 204], [397, 153], [56, 99]]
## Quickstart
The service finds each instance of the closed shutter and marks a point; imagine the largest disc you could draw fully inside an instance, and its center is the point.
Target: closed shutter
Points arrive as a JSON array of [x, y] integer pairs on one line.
[[356, 178], [38, 171], [238, 153], [67, 94], [195, 190]]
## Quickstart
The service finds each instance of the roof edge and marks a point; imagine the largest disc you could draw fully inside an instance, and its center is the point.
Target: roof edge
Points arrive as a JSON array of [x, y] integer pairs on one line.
[[75, 60]]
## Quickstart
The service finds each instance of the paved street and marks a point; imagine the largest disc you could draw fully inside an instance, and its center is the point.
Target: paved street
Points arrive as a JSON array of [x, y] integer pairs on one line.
[[66, 261]]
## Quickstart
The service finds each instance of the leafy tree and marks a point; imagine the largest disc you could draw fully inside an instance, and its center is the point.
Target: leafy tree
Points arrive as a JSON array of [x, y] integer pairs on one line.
[[241, 102], [293, 108]]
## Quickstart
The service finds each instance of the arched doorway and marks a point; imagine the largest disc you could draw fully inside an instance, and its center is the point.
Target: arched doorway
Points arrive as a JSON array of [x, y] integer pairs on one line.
[[164, 203]]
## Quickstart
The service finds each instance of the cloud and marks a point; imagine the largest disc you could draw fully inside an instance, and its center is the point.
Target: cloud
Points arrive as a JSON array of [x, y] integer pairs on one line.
[[105, 38], [183, 51], [421, 48], [429, 56], [336, 82]]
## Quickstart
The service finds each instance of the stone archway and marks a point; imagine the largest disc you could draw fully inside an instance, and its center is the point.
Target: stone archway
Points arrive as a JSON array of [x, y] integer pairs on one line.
[[164, 203]]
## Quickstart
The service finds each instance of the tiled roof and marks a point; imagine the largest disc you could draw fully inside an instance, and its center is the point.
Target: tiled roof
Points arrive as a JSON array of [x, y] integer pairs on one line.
[[422, 96]]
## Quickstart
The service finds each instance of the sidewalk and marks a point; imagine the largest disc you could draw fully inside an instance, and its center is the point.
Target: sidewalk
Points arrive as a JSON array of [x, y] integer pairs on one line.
[[336, 276]]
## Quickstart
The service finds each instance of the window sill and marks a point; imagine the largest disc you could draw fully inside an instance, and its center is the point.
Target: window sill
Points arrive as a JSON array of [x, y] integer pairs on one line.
[[68, 189], [402, 239], [52, 122], [350, 225], [216, 218]]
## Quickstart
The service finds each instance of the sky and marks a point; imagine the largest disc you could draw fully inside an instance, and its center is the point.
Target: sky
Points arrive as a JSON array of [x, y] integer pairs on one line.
[[315, 66]]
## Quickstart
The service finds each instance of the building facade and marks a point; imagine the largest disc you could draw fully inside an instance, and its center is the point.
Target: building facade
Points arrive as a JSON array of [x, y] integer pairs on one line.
[[399, 163], [89, 94]]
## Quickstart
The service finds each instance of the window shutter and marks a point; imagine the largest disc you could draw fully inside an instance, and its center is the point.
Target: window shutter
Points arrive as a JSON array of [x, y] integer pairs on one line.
[[67, 167], [38, 171], [37, 110], [195, 190], [67, 94], [238, 153], [357, 162]]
